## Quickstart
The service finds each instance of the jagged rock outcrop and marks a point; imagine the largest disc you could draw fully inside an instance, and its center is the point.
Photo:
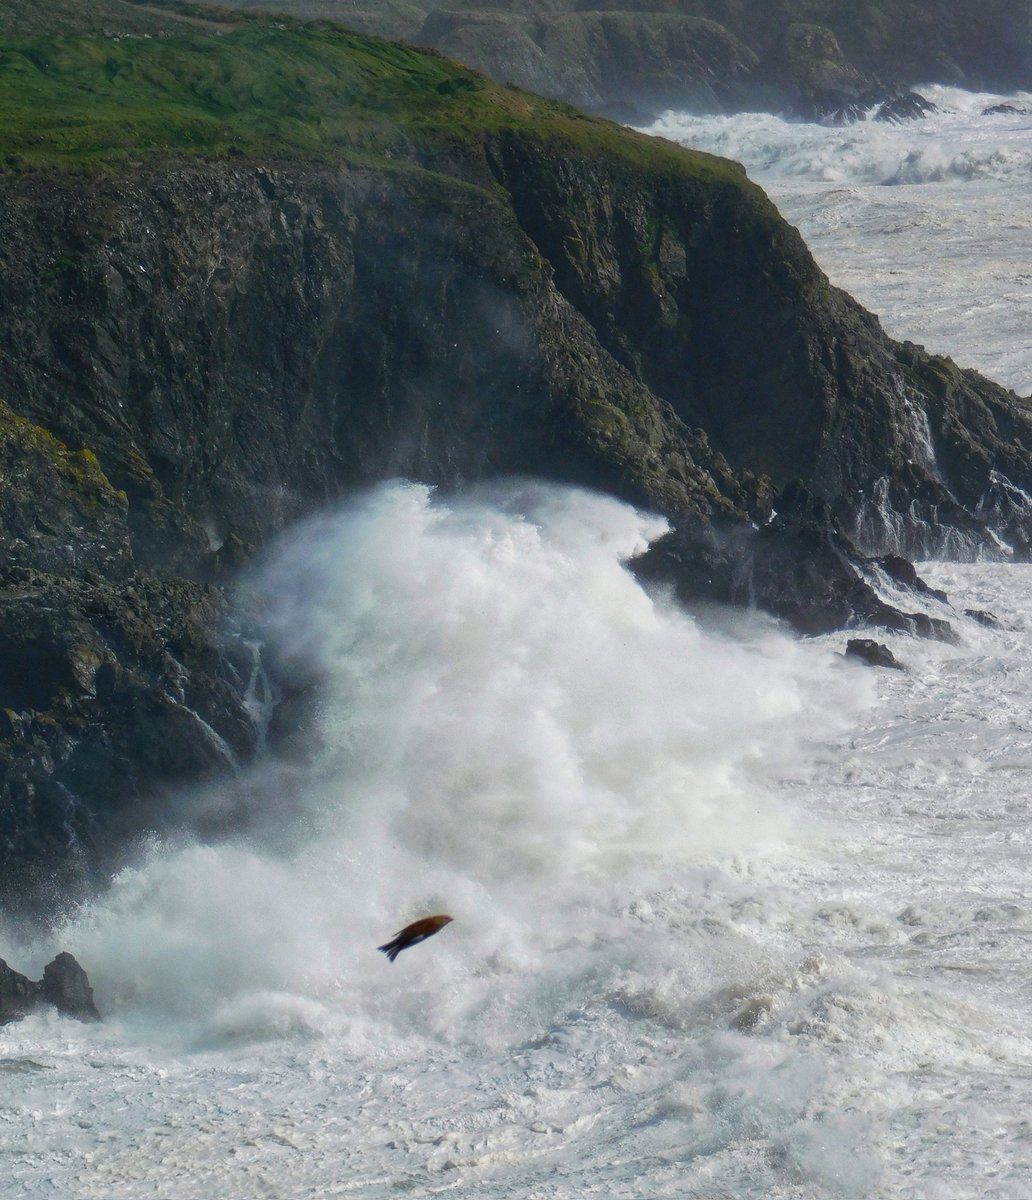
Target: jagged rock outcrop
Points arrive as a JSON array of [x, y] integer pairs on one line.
[[799, 566], [64, 985]]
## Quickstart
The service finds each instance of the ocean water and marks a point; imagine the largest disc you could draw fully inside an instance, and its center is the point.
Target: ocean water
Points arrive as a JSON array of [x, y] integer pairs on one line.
[[734, 916]]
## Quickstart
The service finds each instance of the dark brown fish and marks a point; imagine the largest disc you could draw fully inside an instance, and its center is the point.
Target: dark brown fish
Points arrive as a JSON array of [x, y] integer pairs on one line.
[[418, 931]]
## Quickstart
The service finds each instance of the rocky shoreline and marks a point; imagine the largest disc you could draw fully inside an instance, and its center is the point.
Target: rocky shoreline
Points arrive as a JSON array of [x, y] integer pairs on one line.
[[198, 351], [824, 60]]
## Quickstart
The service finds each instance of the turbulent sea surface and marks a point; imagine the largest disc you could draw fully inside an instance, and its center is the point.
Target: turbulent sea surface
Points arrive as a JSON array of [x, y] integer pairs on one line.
[[734, 917]]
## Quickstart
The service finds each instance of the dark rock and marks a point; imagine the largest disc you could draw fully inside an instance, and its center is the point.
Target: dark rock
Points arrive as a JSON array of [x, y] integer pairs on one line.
[[903, 572], [800, 567], [906, 106], [11, 725], [1002, 110], [18, 994], [988, 619], [844, 108], [807, 570], [64, 985], [67, 988], [875, 654], [112, 693]]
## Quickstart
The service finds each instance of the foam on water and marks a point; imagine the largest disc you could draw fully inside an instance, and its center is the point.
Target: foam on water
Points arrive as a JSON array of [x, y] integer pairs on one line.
[[725, 920], [925, 222], [508, 719]]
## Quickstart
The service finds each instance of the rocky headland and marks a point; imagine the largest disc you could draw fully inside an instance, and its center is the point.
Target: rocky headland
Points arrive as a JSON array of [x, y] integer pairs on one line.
[[826, 59], [266, 264]]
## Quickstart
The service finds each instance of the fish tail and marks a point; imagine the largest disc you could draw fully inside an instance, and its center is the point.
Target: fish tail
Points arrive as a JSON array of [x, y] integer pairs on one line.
[[391, 949]]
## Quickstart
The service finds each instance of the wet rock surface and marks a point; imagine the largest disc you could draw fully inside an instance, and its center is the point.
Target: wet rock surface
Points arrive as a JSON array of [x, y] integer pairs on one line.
[[904, 573], [875, 654], [835, 107], [800, 566], [64, 985]]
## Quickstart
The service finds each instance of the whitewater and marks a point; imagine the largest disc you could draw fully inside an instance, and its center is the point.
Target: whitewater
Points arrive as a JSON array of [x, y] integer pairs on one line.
[[735, 917]]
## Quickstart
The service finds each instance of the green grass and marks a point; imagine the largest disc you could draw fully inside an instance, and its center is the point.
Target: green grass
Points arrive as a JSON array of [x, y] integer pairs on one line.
[[20, 19], [265, 87], [260, 89]]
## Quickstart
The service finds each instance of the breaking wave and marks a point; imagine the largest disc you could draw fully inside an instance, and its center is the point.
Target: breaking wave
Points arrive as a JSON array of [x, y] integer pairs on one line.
[[510, 728], [949, 146]]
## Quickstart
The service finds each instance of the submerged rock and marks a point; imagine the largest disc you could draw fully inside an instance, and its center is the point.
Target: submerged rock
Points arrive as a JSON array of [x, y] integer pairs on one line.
[[988, 619]]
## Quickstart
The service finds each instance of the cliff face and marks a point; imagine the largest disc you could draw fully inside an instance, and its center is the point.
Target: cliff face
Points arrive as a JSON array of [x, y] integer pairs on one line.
[[806, 56], [197, 350], [639, 57]]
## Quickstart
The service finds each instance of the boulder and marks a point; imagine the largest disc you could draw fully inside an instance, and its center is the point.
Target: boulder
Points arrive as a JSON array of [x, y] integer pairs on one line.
[[875, 654], [903, 572]]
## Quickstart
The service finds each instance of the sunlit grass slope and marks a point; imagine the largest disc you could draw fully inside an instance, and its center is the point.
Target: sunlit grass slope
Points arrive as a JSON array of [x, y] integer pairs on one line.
[[262, 87]]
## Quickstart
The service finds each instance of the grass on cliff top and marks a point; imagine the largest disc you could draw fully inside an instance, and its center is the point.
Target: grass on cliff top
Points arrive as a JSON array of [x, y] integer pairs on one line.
[[263, 88]]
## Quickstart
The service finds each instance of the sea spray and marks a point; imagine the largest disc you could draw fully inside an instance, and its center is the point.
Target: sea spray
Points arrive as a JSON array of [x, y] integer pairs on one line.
[[509, 728], [788, 978]]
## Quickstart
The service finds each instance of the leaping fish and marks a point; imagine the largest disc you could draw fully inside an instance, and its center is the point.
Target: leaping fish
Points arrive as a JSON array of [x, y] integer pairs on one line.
[[418, 931]]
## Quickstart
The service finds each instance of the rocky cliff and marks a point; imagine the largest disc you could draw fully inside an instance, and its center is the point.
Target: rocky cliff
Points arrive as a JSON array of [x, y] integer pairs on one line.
[[634, 58], [240, 296], [813, 58]]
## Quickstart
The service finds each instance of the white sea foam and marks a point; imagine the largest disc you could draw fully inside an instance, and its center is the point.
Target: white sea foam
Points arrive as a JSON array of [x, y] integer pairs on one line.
[[957, 143], [508, 719], [725, 920]]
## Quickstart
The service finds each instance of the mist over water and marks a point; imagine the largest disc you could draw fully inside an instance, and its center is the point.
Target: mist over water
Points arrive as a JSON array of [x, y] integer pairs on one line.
[[730, 912]]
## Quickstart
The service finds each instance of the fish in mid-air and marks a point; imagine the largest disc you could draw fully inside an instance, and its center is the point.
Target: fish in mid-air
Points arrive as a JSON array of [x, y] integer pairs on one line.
[[418, 931]]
